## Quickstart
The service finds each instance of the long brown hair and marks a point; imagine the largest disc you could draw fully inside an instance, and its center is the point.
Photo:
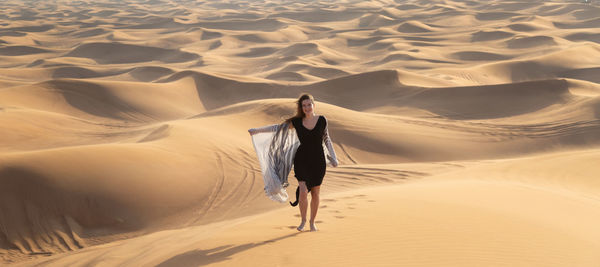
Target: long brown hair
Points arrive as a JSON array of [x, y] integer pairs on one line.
[[299, 112]]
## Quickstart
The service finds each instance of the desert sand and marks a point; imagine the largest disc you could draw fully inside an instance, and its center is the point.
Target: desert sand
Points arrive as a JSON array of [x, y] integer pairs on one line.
[[468, 132]]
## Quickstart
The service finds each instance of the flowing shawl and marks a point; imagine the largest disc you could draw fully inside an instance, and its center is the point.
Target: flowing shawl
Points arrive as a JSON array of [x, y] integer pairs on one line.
[[275, 151]]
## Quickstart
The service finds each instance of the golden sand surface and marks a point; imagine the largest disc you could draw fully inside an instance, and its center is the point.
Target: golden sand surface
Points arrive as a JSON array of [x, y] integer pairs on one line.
[[468, 132]]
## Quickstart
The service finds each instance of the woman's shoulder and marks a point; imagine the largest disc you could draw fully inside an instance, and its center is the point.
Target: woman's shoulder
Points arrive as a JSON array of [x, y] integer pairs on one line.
[[294, 121], [322, 117]]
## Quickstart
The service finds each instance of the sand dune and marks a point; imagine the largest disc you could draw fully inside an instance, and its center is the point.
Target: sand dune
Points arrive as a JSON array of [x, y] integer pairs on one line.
[[585, 74], [376, 21], [482, 36], [328, 73], [321, 16], [485, 16], [530, 230], [89, 33], [124, 53], [529, 42], [39, 28], [267, 25], [479, 56], [287, 76], [543, 67], [524, 27], [468, 132], [102, 100], [19, 50], [414, 27], [592, 23], [584, 37]]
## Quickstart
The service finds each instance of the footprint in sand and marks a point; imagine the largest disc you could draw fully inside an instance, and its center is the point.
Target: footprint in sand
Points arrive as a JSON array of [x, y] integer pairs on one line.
[[355, 196]]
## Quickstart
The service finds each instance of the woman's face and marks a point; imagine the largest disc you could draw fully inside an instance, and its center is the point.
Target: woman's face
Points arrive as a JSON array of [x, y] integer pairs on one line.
[[307, 106]]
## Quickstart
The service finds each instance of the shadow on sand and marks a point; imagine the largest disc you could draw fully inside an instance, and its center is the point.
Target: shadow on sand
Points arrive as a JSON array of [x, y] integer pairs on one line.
[[202, 257]]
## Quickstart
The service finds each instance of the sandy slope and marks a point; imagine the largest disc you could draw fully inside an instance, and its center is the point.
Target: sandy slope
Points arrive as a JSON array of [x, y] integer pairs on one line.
[[468, 132], [466, 217]]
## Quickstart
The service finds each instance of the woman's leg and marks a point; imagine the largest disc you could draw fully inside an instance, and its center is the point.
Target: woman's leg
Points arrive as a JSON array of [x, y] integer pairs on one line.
[[314, 206], [302, 203]]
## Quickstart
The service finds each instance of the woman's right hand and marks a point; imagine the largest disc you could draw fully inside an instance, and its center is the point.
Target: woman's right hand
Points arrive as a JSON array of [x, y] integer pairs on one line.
[[333, 161]]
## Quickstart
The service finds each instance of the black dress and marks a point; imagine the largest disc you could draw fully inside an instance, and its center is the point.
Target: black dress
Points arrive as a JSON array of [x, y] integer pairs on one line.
[[309, 161]]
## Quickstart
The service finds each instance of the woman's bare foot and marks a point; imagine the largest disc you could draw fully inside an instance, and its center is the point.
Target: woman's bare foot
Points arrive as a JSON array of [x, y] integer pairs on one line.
[[313, 227], [301, 226]]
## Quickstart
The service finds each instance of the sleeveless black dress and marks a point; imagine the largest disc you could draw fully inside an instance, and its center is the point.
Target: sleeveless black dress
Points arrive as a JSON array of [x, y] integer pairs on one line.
[[309, 161]]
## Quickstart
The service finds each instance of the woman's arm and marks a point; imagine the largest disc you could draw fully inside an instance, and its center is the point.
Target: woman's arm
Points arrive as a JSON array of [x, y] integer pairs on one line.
[[328, 144], [266, 129]]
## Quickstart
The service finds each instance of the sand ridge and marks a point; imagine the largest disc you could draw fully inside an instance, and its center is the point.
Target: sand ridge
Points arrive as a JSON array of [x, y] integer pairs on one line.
[[124, 131]]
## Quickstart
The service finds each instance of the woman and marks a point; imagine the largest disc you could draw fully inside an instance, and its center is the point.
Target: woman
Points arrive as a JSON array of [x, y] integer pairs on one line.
[[309, 158]]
